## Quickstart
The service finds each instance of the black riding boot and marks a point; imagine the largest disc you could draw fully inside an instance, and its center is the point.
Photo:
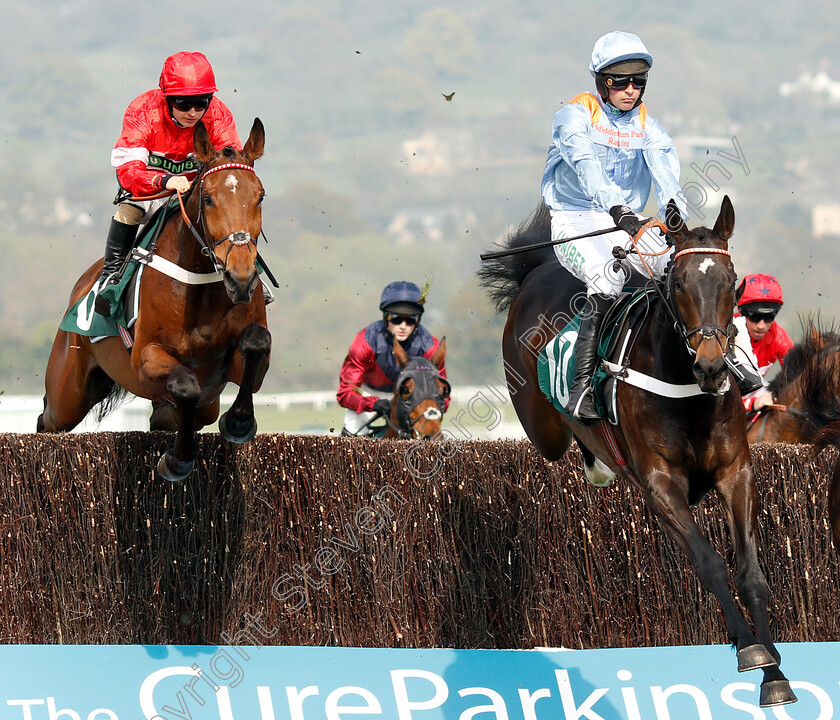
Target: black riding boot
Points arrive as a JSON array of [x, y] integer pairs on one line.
[[745, 373], [581, 400], [117, 246]]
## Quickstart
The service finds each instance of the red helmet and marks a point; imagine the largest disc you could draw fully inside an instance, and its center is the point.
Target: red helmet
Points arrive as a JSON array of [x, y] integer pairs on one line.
[[187, 73], [759, 288]]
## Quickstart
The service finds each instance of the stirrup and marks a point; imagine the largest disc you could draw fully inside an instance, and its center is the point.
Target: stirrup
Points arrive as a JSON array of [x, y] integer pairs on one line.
[[585, 408]]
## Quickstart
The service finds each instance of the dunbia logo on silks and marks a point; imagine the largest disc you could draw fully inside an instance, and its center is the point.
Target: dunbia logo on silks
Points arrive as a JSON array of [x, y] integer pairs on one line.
[[171, 166]]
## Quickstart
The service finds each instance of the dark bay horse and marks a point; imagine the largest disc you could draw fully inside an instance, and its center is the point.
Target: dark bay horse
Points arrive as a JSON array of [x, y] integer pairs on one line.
[[806, 391], [190, 338], [419, 396], [675, 449]]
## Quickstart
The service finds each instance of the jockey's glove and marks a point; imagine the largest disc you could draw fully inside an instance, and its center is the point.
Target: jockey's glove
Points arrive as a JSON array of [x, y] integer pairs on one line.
[[383, 407], [626, 219]]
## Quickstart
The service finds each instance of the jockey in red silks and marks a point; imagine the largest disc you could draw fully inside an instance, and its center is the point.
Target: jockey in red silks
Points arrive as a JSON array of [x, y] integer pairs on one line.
[[370, 370], [759, 299], [152, 154]]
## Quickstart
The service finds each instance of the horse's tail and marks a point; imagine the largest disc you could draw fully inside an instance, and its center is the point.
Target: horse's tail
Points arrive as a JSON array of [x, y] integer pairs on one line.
[[502, 277], [115, 397]]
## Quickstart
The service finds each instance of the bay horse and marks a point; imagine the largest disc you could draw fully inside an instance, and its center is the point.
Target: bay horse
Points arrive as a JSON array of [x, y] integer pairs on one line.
[[420, 394], [806, 391], [675, 450], [195, 331]]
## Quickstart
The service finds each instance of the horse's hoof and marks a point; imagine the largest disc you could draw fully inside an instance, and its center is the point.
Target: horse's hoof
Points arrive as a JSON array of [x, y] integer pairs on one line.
[[754, 656], [241, 437], [776, 692], [173, 470]]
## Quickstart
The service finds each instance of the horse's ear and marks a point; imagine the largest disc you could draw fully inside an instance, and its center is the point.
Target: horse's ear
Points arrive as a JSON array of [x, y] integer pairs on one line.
[[439, 354], [400, 354], [256, 141], [673, 220], [725, 223], [203, 146], [817, 338]]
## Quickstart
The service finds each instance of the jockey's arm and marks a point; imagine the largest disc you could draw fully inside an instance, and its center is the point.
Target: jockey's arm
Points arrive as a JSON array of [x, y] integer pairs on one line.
[[580, 152], [356, 365]]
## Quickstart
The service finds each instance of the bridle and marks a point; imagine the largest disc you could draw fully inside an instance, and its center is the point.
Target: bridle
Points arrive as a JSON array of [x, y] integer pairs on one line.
[[707, 331], [425, 377], [239, 237]]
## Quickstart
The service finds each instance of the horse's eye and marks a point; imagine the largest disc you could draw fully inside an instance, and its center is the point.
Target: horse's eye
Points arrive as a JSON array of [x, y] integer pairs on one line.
[[405, 391], [207, 200], [261, 198], [678, 286]]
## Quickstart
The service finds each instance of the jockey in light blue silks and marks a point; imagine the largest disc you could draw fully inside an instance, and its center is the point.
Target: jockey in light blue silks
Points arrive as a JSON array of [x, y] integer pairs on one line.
[[605, 153]]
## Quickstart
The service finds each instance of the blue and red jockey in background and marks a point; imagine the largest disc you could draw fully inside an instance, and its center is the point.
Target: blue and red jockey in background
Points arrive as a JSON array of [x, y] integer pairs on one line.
[[370, 370], [759, 299]]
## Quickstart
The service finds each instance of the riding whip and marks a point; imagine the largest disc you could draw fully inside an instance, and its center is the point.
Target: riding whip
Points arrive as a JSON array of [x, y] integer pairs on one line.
[[548, 243]]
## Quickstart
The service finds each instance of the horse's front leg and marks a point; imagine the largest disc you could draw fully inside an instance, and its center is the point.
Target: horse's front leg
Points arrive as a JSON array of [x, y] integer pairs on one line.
[[247, 369], [669, 502], [739, 496], [165, 377]]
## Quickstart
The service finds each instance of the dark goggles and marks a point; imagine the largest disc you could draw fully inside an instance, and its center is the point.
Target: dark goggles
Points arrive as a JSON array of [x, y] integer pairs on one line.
[[409, 320], [757, 317], [619, 82], [185, 104]]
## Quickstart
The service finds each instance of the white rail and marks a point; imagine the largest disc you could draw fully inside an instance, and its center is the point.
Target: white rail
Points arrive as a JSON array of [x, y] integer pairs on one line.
[[19, 413]]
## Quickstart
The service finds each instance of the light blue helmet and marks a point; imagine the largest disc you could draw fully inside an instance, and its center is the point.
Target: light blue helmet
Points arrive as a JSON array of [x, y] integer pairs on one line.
[[619, 47]]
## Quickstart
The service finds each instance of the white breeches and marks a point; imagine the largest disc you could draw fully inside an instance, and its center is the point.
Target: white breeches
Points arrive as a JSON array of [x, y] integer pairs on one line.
[[591, 259]]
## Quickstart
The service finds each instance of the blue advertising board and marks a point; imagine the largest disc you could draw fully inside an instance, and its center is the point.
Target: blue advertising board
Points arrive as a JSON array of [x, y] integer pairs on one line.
[[131, 682]]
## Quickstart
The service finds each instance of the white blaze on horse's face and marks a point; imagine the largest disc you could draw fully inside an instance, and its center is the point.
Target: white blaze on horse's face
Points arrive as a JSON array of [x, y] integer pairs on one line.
[[231, 182], [705, 265]]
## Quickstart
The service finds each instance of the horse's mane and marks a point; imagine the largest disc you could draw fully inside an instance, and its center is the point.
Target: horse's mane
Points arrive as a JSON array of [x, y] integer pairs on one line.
[[502, 277], [815, 363]]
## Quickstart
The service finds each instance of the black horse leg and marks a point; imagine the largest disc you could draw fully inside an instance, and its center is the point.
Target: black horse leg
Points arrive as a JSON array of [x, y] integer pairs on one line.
[[672, 510], [740, 499], [238, 425], [177, 463]]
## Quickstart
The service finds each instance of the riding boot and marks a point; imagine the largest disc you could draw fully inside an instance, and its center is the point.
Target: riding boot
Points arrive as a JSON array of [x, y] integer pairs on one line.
[[117, 246], [745, 373], [581, 397]]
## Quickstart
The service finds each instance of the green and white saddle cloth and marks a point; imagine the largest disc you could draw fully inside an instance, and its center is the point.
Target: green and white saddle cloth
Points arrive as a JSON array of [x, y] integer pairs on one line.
[[556, 361], [123, 297]]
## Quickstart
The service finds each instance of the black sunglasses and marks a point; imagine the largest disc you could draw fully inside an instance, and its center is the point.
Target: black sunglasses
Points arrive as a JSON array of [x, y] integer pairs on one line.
[[409, 320], [619, 82], [757, 317], [185, 104]]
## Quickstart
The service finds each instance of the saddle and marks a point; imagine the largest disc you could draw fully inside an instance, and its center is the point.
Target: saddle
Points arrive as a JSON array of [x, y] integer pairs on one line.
[[556, 361]]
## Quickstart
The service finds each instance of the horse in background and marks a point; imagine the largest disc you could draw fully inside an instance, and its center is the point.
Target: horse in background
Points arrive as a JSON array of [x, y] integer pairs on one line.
[[806, 391], [676, 449], [420, 395], [199, 326]]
